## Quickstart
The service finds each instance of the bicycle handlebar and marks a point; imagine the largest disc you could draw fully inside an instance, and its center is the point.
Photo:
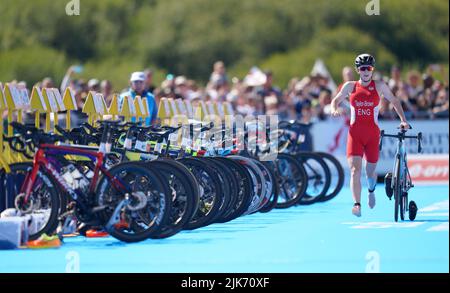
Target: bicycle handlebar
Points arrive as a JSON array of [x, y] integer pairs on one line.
[[401, 136]]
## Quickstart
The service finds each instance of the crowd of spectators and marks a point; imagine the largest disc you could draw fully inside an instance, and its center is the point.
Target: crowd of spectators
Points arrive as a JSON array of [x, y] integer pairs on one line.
[[306, 99]]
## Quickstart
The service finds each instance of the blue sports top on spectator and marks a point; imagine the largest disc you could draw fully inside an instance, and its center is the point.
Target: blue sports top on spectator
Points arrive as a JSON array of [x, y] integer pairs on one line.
[[152, 109]]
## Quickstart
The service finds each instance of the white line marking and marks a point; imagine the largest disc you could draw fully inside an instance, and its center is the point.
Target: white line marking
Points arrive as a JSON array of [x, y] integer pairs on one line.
[[434, 214], [438, 228], [383, 225], [439, 206]]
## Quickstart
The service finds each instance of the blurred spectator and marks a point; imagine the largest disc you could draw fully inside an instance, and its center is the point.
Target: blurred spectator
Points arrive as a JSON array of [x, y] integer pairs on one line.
[[347, 74], [414, 86], [324, 107], [441, 106], [268, 89], [149, 86], [48, 83], [137, 88], [94, 85], [218, 76], [395, 80], [182, 90], [428, 81], [107, 91]]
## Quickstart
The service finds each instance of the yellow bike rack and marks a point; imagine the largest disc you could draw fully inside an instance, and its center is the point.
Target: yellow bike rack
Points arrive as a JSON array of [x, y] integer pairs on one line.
[[17, 100], [201, 111], [141, 109], [52, 108], [38, 105], [114, 108], [95, 107], [164, 112], [71, 105], [147, 110], [128, 111], [3, 161]]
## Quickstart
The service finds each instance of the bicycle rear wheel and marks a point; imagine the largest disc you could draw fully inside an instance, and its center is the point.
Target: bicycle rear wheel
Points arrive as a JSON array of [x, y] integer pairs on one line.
[[270, 165], [44, 204], [244, 193], [148, 209], [291, 179], [184, 191], [211, 192], [318, 177], [336, 175]]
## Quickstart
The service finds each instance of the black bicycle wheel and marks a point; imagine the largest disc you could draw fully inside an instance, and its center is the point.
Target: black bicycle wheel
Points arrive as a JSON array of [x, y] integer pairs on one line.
[[291, 179], [149, 201], [44, 202], [229, 184], [270, 182], [245, 190], [337, 176], [224, 183], [317, 174], [210, 192], [258, 182], [275, 188], [397, 189], [403, 205], [184, 195]]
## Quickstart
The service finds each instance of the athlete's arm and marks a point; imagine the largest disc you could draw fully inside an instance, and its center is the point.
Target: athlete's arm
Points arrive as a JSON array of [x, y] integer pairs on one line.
[[388, 95], [347, 88]]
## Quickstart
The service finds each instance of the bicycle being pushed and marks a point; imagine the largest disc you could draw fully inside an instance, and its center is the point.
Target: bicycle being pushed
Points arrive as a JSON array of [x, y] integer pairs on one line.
[[399, 182]]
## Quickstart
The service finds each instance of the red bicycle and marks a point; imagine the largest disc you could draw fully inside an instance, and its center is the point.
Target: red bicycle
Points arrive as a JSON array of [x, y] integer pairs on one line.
[[129, 199]]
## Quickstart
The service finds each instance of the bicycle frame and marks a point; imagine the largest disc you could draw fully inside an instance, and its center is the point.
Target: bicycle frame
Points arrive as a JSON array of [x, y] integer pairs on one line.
[[41, 161], [405, 178]]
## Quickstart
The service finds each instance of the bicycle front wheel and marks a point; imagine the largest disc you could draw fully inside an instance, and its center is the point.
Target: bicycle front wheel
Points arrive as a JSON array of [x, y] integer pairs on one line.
[[149, 206], [397, 189]]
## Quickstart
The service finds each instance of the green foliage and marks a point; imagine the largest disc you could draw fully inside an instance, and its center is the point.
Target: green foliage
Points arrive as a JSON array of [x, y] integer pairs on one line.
[[336, 47], [32, 64], [117, 70], [186, 37]]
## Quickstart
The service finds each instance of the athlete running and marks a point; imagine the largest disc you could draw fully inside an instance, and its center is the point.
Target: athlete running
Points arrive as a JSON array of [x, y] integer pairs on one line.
[[364, 134]]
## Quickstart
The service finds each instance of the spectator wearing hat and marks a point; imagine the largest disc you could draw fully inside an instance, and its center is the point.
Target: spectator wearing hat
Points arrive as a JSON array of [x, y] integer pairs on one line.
[[94, 85], [182, 90], [137, 88]]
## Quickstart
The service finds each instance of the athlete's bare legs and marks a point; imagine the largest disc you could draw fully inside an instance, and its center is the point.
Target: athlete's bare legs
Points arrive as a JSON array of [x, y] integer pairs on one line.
[[371, 182], [355, 164]]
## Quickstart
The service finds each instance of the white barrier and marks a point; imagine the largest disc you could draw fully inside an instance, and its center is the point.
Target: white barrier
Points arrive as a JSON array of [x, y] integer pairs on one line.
[[331, 136]]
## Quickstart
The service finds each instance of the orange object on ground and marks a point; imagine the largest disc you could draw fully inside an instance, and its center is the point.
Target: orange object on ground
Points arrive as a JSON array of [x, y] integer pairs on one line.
[[45, 241], [96, 233]]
